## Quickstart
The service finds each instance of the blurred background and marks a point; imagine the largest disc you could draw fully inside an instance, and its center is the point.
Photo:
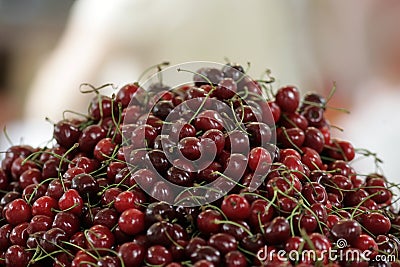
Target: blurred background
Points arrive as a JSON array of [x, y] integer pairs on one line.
[[48, 48]]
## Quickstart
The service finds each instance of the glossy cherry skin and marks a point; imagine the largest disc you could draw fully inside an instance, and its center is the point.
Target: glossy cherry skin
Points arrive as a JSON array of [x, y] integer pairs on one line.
[[376, 223], [346, 229], [158, 255], [131, 254], [39, 223], [20, 165], [209, 119], [261, 212], [277, 231], [223, 242], [104, 149], [90, 137], [68, 222], [18, 211], [207, 221], [108, 261], [207, 253], [17, 256], [19, 234], [132, 221], [235, 207], [100, 237], [66, 134], [32, 176], [85, 184], [315, 116], [315, 193], [52, 239], [259, 160], [288, 98], [290, 138], [71, 201], [83, 259], [126, 94], [103, 107]]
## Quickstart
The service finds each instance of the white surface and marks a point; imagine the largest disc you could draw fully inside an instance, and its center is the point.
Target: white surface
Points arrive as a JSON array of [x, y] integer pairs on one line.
[[33, 132]]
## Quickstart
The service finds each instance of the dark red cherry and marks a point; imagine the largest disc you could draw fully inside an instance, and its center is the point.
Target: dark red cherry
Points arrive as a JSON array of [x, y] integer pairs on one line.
[[223, 242], [208, 119], [91, 135], [131, 254], [158, 255], [17, 256], [346, 229], [277, 231], [126, 94], [103, 107], [290, 138], [99, 237], [104, 149], [207, 253], [132, 221], [315, 116], [18, 211], [235, 207], [288, 98], [66, 133]]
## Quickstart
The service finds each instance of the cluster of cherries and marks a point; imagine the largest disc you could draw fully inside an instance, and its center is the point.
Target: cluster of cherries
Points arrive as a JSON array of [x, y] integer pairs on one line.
[[127, 185]]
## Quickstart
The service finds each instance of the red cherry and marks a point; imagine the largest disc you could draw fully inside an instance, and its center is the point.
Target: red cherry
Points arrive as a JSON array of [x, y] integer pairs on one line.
[[66, 134], [262, 212], [311, 159], [131, 254], [207, 221], [104, 149], [235, 207], [158, 255], [31, 176], [290, 138], [71, 201], [223, 242], [209, 119], [259, 160], [83, 259], [235, 259], [127, 93], [315, 193], [17, 256], [346, 229], [132, 221], [277, 231], [376, 223], [292, 120], [288, 98], [20, 165], [365, 242], [127, 200], [90, 137], [99, 237], [67, 221], [44, 205], [18, 211]]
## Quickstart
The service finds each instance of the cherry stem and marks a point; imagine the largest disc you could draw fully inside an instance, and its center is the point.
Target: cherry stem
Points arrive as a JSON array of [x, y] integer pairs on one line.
[[290, 140], [10, 142], [235, 224], [95, 89], [75, 113], [157, 66]]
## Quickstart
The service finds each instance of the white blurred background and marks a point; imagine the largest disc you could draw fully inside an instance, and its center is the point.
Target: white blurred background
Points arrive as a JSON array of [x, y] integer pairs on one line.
[[48, 48]]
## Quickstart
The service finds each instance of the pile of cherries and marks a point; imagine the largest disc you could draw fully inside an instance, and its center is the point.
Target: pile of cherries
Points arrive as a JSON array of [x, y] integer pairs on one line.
[[103, 194]]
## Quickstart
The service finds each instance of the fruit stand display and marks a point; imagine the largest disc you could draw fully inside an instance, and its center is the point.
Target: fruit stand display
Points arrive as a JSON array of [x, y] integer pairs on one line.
[[223, 170]]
